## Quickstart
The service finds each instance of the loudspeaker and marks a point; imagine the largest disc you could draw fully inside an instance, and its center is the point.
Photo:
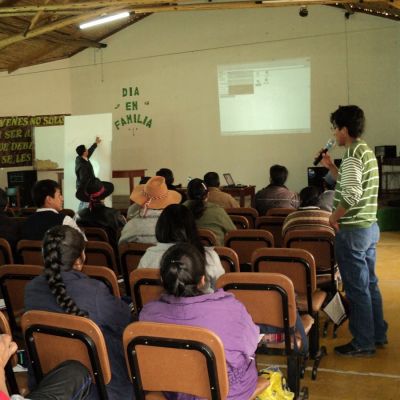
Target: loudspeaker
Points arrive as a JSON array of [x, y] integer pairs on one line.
[[386, 151], [315, 176], [24, 180]]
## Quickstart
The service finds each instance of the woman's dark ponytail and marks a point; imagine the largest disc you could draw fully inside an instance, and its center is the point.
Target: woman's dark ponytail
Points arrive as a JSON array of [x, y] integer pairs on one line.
[[182, 268], [197, 193], [62, 245]]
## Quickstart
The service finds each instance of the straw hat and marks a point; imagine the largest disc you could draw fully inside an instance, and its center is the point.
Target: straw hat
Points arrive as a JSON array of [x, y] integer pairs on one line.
[[155, 194]]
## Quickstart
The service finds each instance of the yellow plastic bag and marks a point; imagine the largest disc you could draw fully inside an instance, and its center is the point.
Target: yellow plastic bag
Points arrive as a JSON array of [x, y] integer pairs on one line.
[[277, 389]]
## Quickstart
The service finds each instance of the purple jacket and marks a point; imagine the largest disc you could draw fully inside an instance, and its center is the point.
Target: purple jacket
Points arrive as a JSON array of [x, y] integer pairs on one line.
[[221, 313]]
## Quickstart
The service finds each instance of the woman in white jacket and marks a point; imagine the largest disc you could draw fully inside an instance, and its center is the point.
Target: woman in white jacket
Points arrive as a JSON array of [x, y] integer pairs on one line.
[[176, 224]]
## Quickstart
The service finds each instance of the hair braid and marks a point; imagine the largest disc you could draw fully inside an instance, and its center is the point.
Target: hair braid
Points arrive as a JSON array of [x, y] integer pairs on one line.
[[53, 263]]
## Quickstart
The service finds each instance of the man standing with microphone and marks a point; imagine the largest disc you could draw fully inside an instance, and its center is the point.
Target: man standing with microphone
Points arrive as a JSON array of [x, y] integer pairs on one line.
[[357, 232]]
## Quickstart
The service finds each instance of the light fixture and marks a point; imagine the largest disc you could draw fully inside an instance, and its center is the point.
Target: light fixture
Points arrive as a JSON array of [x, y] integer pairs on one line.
[[104, 20]]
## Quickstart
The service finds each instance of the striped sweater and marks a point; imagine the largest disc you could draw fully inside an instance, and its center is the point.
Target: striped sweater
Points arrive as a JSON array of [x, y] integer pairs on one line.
[[357, 186], [307, 218]]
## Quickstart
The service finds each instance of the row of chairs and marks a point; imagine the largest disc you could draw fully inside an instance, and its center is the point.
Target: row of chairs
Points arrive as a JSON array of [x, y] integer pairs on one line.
[[196, 353], [248, 218], [102, 254], [319, 242], [14, 278], [296, 264]]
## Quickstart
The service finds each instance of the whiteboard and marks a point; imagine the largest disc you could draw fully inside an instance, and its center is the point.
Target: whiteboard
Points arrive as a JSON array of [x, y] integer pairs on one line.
[[49, 144]]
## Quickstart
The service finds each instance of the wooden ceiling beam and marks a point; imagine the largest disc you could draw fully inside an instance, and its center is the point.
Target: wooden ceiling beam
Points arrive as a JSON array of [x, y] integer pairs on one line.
[[236, 5], [33, 13], [35, 19], [88, 5], [59, 24], [59, 37]]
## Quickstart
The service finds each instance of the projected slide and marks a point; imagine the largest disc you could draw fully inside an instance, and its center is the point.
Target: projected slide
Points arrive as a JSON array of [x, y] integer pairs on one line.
[[264, 98]]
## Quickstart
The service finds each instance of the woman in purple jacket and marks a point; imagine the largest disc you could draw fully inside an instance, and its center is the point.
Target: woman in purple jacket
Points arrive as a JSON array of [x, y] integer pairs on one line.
[[183, 276]]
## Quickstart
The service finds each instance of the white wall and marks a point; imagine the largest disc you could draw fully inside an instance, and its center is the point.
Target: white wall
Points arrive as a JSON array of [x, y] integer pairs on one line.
[[172, 58], [40, 90]]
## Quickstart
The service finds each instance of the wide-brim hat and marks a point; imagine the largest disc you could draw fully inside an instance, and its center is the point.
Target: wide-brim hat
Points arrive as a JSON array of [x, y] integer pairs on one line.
[[95, 190], [155, 194]]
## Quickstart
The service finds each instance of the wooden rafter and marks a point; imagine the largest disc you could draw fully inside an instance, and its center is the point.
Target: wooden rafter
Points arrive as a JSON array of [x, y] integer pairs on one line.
[[59, 37], [78, 6], [35, 19], [234, 5], [166, 5], [59, 24], [33, 13]]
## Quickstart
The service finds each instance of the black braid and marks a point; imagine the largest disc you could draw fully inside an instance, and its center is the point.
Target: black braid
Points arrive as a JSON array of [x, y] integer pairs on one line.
[[52, 253]]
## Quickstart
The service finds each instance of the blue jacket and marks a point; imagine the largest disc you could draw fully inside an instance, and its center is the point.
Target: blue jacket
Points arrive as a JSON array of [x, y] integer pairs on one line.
[[110, 313]]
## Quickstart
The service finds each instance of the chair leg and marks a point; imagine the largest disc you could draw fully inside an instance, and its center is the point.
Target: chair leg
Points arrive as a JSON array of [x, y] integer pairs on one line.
[[317, 359], [314, 337], [293, 373], [316, 352]]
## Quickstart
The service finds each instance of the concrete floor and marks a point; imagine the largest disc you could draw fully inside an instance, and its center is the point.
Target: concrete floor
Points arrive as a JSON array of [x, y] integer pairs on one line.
[[376, 378]]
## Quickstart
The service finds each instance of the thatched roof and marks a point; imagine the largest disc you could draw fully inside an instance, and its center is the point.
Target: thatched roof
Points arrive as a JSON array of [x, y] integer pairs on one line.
[[33, 33]]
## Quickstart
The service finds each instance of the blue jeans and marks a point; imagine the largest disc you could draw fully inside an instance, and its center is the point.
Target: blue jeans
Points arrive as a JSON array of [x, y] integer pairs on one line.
[[355, 251]]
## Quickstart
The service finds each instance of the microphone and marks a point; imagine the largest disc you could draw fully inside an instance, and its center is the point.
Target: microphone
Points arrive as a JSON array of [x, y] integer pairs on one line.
[[328, 146]]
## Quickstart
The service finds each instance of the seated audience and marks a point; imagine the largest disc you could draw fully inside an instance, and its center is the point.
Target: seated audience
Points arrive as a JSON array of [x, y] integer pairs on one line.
[[176, 225], [98, 214], [69, 380], [9, 229], [207, 215], [215, 194], [64, 288], [47, 197], [308, 215], [183, 276], [151, 198], [325, 201], [276, 194], [169, 180]]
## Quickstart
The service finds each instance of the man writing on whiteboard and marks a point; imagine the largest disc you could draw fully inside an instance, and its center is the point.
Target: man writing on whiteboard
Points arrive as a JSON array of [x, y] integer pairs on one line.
[[85, 173]]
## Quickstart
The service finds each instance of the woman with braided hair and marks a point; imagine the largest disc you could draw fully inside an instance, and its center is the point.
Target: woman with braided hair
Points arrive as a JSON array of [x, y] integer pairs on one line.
[[183, 276], [64, 288]]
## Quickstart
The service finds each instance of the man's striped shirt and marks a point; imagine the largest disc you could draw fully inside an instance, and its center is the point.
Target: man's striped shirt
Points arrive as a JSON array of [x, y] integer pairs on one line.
[[357, 186]]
